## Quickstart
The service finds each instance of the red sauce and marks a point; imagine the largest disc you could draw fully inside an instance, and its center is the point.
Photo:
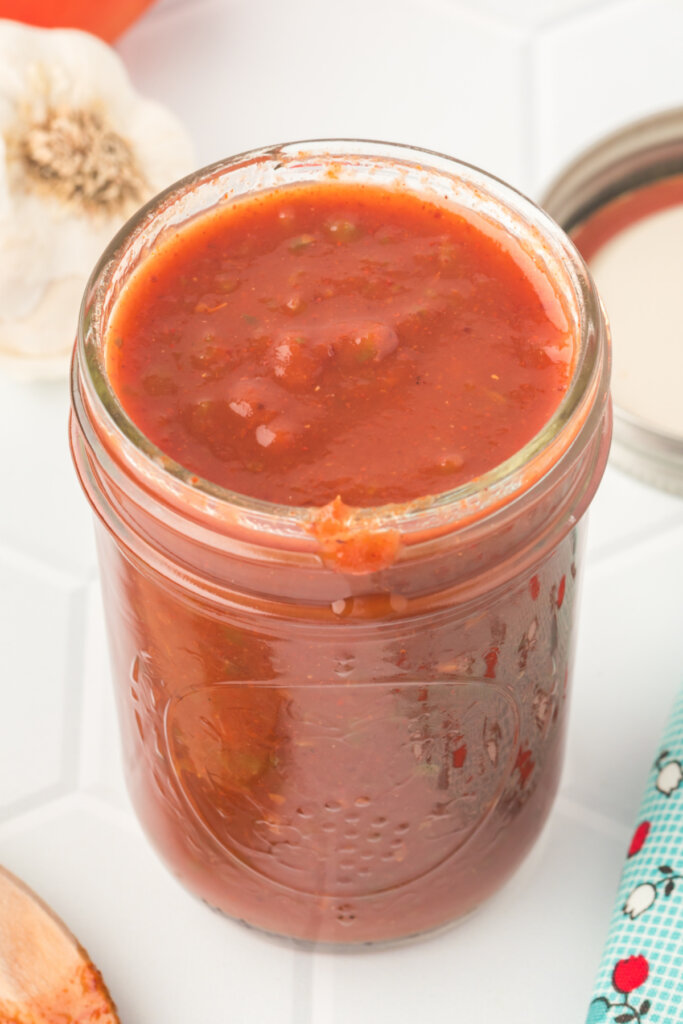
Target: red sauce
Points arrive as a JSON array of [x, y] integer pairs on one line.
[[336, 340], [365, 766], [346, 774]]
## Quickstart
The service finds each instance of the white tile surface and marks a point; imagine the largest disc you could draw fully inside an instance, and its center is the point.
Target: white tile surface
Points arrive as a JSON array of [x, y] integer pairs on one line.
[[597, 72], [42, 512], [625, 512], [100, 769], [535, 12], [507, 962], [40, 633], [161, 951], [518, 88], [400, 70], [629, 667]]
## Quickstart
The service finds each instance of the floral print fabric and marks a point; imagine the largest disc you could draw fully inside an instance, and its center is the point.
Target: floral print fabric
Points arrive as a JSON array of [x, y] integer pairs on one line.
[[641, 975]]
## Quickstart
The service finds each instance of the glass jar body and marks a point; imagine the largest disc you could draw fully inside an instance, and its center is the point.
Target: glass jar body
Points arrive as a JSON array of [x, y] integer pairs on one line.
[[336, 753], [342, 779]]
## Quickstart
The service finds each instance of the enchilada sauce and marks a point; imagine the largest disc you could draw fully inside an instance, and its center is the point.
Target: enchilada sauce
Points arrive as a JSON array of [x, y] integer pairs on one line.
[[339, 770], [337, 340]]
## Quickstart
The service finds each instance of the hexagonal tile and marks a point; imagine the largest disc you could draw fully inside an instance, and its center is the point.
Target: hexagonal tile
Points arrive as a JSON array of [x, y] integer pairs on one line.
[[44, 512], [628, 670], [649, 510], [40, 627], [479, 971], [164, 955], [600, 71], [535, 12], [100, 770], [400, 70]]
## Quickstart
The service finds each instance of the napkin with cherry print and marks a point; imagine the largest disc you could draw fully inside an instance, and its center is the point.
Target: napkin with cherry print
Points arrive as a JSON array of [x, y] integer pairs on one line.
[[641, 975]]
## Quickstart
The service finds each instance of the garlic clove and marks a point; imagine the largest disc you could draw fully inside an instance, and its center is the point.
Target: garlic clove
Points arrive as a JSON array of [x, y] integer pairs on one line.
[[82, 151], [38, 346], [156, 134], [25, 265]]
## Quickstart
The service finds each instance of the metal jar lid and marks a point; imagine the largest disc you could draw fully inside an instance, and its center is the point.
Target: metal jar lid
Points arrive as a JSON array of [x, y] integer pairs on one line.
[[640, 154]]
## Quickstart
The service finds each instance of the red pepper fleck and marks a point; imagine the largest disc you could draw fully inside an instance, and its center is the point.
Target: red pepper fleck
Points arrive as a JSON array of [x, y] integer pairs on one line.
[[459, 756], [491, 660], [560, 591], [534, 587], [524, 765]]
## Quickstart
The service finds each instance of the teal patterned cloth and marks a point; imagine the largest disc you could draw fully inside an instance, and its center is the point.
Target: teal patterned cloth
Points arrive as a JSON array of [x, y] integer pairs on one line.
[[641, 974]]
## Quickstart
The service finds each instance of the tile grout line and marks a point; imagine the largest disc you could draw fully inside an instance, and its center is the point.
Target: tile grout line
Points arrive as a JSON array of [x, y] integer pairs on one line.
[[33, 810], [530, 110], [597, 820], [16, 810], [121, 816], [19, 558], [639, 538], [322, 991], [302, 987], [506, 21], [458, 8], [450, 8], [175, 12], [596, 8], [74, 687], [91, 712]]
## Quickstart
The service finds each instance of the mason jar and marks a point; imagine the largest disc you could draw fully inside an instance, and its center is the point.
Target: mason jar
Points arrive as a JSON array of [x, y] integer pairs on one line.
[[351, 733]]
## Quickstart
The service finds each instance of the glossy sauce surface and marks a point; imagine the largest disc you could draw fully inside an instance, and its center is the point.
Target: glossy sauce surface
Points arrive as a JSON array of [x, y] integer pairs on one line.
[[335, 340]]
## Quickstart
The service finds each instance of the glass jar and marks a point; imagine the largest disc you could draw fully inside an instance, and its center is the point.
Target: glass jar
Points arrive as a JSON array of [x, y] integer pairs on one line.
[[354, 733]]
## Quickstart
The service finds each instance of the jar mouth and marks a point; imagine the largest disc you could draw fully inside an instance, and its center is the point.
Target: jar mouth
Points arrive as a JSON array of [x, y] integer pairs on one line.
[[120, 444]]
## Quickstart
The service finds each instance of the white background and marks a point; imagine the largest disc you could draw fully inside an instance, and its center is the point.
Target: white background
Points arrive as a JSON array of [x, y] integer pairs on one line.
[[517, 87]]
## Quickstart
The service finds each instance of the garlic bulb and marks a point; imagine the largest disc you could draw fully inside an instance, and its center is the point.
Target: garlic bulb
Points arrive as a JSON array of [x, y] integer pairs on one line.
[[81, 151]]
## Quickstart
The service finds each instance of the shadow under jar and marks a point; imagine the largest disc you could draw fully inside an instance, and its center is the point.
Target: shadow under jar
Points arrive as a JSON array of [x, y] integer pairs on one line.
[[343, 749]]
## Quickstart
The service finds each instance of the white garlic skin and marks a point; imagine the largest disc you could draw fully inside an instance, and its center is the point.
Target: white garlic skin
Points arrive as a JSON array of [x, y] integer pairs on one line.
[[48, 245]]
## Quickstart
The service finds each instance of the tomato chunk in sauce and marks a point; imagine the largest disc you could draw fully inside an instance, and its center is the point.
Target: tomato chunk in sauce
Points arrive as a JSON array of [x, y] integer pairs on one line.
[[335, 340]]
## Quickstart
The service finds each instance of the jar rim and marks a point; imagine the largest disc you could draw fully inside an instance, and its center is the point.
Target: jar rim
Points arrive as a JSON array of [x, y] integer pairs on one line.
[[577, 414]]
